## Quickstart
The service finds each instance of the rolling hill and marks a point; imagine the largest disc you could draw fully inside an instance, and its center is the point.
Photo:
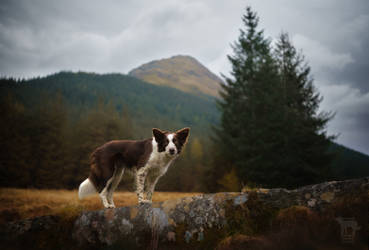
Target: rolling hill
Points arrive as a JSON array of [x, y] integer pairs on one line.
[[181, 72]]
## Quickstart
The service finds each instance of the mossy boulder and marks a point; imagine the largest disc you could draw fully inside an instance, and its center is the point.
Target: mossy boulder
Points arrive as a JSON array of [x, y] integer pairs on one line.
[[262, 217]]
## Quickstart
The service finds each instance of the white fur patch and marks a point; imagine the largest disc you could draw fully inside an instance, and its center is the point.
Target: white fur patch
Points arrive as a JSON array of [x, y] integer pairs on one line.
[[155, 167], [104, 193], [107, 195], [160, 159], [85, 189], [171, 145], [117, 176]]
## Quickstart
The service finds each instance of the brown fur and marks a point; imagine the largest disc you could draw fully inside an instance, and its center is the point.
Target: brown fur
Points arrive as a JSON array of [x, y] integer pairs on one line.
[[119, 153]]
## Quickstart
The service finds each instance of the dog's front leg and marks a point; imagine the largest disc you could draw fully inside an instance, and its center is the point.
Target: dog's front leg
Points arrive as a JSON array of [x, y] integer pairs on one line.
[[151, 187], [140, 184]]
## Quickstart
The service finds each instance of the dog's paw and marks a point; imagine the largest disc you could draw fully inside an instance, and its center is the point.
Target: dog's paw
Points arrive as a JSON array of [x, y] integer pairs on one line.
[[110, 206], [143, 202]]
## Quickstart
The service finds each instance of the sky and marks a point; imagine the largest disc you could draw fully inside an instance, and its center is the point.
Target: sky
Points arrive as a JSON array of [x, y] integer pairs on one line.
[[38, 38]]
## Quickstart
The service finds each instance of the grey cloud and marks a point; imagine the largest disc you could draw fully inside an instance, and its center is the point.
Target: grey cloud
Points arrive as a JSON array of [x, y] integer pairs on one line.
[[43, 37], [340, 26], [358, 71]]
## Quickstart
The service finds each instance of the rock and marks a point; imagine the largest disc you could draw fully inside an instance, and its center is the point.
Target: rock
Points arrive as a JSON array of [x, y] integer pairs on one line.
[[191, 220], [198, 212]]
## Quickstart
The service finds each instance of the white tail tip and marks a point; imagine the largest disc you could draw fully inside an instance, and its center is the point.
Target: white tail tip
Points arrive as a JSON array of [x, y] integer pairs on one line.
[[86, 188]]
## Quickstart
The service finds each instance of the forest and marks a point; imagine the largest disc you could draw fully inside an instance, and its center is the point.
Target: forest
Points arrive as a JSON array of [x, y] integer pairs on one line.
[[51, 125]]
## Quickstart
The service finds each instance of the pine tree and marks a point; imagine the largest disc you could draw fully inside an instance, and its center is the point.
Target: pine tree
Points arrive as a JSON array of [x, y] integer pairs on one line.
[[247, 105], [305, 142], [270, 130]]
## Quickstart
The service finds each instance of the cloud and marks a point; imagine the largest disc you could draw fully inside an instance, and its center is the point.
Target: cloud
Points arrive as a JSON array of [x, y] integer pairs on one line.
[[42, 37], [320, 56], [352, 114]]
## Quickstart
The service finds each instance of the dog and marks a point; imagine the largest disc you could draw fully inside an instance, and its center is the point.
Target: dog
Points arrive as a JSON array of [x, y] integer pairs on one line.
[[148, 159]]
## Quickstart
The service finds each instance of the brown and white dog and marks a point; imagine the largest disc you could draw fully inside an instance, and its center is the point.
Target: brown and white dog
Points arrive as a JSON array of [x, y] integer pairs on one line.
[[149, 159]]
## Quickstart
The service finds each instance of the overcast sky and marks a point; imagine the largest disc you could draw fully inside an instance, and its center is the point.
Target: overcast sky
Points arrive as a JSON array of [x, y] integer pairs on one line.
[[42, 37]]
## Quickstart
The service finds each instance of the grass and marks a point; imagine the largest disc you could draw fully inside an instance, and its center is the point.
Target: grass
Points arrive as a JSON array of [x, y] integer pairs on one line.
[[16, 204]]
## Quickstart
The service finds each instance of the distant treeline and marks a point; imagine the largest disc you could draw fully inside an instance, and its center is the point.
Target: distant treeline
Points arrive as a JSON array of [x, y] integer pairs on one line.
[[148, 105], [49, 127]]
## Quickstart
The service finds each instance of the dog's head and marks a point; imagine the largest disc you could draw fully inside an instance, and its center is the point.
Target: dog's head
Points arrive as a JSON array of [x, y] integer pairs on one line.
[[171, 143]]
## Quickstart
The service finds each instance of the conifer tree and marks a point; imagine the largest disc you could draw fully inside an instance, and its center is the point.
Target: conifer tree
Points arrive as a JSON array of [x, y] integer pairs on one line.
[[270, 130], [247, 103], [305, 142]]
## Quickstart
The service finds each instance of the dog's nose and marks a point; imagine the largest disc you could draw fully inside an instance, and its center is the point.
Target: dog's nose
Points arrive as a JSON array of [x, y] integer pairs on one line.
[[172, 151]]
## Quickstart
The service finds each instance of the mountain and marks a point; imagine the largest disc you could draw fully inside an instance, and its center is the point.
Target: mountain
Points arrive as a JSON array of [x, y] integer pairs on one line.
[[181, 72]]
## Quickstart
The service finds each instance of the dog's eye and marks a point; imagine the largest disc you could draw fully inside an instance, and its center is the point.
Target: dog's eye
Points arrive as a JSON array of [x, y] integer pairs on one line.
[[174, 140], [166, 141]]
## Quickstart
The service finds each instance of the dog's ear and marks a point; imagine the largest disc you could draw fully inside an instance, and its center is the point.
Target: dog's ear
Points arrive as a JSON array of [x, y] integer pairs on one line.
[[182, 135], [158, 134]]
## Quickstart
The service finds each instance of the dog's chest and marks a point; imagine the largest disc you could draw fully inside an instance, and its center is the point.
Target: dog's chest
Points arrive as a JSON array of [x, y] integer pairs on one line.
[[158, 162]]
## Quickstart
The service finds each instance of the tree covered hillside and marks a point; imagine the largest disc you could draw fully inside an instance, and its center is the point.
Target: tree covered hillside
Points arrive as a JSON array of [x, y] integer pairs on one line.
[[50, 125], [147, 105], [348, 163]]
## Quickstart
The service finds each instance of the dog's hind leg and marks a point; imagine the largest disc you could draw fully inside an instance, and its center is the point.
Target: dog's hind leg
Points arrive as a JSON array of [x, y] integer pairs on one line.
[[104, 194], [117, 176]]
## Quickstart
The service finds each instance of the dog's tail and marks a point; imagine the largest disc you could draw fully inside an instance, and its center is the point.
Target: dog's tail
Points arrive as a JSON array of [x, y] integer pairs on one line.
[[86, 188]]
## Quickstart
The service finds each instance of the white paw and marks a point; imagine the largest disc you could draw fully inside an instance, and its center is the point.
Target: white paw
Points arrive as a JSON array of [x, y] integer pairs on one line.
[[110, 206], [145, 202]]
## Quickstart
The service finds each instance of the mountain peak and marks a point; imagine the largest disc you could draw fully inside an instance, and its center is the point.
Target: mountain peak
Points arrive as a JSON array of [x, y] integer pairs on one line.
[[182, 72]]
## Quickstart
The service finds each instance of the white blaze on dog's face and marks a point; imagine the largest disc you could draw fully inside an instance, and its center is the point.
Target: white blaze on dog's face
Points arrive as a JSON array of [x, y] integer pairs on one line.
[[171, 143], [171, 148]]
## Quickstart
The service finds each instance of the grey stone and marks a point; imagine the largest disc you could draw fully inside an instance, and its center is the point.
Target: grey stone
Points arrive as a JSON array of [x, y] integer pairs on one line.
[[160, 221]]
